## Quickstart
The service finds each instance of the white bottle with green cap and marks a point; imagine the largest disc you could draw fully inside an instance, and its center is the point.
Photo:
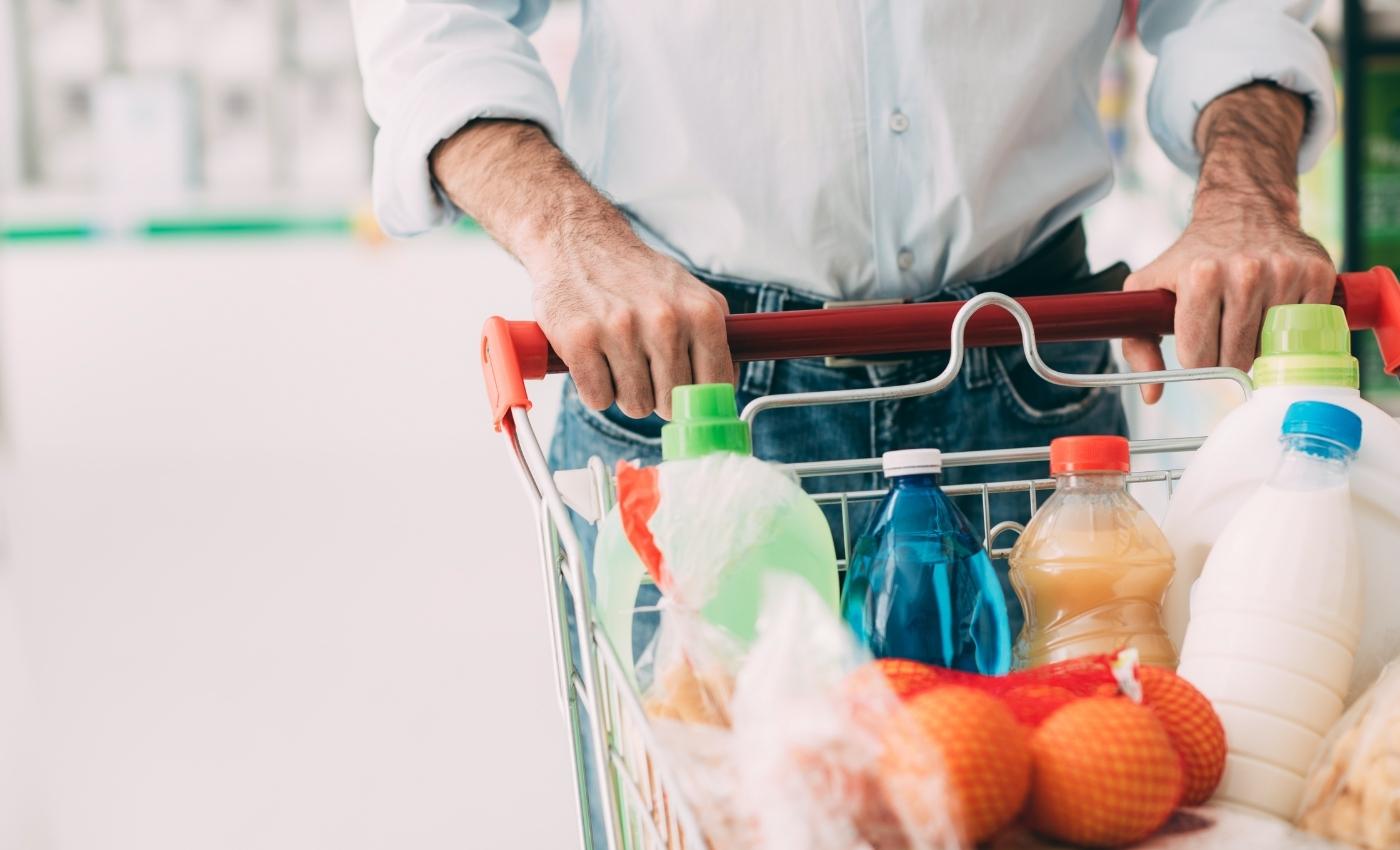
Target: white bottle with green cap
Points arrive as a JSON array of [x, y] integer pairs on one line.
[[795, 537], [1305, 355]]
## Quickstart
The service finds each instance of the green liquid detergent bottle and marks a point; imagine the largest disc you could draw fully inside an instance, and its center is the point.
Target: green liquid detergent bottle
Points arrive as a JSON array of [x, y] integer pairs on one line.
[[752, 516]]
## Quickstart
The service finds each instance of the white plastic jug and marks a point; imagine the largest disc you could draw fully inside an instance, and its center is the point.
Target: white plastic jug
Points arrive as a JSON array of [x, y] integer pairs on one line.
[[1276, 613], [1305, 355]]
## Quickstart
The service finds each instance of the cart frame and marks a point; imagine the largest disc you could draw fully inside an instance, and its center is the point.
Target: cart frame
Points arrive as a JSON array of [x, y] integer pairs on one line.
[[644, 805]]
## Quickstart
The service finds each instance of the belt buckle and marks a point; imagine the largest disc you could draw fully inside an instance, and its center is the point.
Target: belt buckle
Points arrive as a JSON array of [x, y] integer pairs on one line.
[[850, 362]]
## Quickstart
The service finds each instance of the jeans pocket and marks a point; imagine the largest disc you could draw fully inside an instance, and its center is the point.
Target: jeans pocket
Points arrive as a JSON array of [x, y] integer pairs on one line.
[[1035, 400], [615, 425]]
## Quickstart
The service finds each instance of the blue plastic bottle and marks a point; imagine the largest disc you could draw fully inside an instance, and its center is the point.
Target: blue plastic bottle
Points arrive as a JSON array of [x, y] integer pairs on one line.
[[920, 584]]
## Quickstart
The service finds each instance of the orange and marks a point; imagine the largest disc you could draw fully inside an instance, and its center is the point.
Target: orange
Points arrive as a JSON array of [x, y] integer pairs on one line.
[[905, 677], [1193, 727], [986, 760], [1032, 703], [1105, 773]]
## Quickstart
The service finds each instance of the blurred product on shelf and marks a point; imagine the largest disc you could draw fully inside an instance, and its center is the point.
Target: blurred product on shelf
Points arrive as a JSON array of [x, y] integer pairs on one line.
[[1304, 355], [245, 112], [237, 38], [1091, 567], [65, 39], [156, 35], [1276, 614], [144, 123], [1353, 792], [322, 119], [237, 132], [322, 37], [63, 130], [920, 584]]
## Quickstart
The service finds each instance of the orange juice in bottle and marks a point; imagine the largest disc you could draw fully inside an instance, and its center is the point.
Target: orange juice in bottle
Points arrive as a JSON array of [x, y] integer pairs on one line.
[[1092, 567]]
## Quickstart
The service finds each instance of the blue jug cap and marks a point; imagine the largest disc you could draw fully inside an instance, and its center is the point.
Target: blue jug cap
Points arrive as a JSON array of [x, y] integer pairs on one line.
[[1320, 419]]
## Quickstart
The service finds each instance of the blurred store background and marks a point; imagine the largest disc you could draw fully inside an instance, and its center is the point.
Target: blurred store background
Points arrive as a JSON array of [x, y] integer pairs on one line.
[[267, 581]]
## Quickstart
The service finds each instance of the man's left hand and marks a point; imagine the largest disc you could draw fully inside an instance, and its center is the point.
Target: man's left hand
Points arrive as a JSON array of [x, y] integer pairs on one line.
[[1243, 251]]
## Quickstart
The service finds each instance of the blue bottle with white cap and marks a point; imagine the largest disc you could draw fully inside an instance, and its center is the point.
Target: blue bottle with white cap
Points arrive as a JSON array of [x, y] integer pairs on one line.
[[919, 584]]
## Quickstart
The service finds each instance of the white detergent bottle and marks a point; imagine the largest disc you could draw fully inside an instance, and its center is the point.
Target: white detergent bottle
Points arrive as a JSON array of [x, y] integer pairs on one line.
[[1305, 354], [1276, 613]]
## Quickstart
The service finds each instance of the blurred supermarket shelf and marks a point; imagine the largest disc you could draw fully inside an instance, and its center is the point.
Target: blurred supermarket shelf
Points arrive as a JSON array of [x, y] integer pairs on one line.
[[151, 117]]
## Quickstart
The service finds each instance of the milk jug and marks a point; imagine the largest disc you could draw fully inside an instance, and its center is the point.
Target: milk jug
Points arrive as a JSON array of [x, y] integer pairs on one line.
[[1305, 354], [1276, 613]]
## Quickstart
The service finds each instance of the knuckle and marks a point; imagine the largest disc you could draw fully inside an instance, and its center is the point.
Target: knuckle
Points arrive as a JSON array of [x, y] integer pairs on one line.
[[707, 311], [618, 324], [1320, 272], [1248, 268], [1204, 272], [663, 319], [1284, 266]]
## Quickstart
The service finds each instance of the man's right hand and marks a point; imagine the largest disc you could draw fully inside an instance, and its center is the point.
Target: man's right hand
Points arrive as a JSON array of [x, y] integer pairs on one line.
[[629, 322]]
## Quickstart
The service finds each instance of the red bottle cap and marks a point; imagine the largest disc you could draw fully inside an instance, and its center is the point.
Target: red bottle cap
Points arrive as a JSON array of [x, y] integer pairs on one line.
[[1088, 454]]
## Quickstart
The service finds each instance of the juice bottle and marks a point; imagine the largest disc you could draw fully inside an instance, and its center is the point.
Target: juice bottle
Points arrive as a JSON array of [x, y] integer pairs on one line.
[[920, 584], [1091, 568], [1276, 615]]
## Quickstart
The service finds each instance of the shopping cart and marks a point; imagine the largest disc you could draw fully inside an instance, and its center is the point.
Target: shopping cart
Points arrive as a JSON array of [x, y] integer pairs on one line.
[[644, 807]]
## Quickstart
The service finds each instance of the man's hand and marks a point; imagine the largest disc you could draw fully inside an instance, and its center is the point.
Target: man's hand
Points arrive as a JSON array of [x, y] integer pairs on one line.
[[629, 322], [1243, 251]]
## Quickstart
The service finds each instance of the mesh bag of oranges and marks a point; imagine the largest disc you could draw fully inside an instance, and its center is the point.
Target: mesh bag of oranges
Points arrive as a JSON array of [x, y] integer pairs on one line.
[[1114, 748]]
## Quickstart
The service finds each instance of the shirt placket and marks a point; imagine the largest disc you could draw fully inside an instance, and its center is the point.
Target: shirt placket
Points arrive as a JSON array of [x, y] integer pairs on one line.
[[894, 144]]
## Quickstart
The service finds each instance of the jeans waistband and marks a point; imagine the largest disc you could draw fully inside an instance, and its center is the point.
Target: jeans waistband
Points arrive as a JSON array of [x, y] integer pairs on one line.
[[1055, 267]]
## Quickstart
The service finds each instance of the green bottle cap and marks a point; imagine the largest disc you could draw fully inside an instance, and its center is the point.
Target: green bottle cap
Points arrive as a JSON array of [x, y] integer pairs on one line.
[[704, 420], [1306, 345]]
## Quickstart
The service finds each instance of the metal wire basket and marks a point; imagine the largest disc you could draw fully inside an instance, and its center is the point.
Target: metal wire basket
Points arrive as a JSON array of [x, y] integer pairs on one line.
[[644, 805]]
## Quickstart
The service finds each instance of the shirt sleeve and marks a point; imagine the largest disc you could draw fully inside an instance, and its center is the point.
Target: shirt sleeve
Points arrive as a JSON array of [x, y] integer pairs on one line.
[[430, 67], [1205, 48]]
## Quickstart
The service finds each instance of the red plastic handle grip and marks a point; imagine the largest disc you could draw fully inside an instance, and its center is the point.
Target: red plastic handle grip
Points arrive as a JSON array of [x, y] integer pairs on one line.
[[513, 352]]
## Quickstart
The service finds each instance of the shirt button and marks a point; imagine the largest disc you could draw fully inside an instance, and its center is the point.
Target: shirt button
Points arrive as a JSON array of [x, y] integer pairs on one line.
[[899, 122], [905, 260]]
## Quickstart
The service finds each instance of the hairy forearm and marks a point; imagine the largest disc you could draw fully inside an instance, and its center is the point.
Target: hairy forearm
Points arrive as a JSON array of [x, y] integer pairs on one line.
[[1249, 140], [523, 190]]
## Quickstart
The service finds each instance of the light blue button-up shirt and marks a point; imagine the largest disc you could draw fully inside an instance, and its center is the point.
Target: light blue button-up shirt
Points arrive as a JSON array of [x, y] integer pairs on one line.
[[850, 148]]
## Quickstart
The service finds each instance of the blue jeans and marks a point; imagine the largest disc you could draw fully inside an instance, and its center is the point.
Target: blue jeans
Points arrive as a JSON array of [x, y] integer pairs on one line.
[[996, 402]]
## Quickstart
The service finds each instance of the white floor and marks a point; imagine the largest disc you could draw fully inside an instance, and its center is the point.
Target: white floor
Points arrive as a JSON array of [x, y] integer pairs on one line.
[[269, 582]]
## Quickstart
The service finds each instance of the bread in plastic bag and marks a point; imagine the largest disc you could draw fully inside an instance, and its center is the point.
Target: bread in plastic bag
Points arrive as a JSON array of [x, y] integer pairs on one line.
[[1353, 790], [813, 759]]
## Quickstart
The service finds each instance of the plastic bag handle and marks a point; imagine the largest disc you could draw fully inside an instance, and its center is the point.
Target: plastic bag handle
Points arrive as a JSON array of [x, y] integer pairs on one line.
[[513, 352]]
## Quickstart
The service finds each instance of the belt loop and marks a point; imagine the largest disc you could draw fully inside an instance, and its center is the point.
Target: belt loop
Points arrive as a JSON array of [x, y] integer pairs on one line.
[[756, 378]]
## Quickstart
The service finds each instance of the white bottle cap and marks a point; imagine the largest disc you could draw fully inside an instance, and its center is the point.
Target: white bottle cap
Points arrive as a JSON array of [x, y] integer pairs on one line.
[[913, 462]]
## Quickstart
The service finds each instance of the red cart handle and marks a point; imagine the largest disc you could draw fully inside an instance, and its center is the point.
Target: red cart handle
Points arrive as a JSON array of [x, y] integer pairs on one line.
[[513, 352]]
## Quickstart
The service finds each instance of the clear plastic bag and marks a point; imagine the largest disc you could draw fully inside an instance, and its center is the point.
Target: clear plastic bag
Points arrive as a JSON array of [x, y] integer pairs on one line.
[[812, 758], [708, 531], [1353, 790]]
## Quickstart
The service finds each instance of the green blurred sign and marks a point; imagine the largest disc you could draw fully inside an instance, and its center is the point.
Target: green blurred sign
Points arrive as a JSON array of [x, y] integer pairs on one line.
[[1380, 209]]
